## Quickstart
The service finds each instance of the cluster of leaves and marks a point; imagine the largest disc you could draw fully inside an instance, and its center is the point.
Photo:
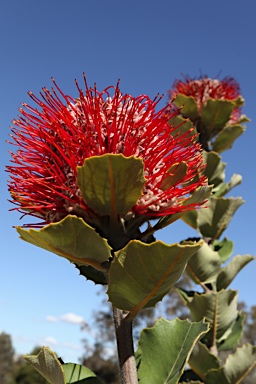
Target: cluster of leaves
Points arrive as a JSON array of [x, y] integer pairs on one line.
[[209, 267], [212, 122]]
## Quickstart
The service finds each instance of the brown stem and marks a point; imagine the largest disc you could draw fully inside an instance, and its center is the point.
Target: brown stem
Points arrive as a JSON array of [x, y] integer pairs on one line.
[[123, 328], [205, 288], [213, 348]]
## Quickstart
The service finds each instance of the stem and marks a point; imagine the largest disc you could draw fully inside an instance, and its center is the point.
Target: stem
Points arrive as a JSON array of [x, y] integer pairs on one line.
[[205, 288], [213, 349], [203, 135], [123, 328]]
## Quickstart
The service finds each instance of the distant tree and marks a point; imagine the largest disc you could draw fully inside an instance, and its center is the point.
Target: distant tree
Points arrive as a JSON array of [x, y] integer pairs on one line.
[[106, 367], [6, 358], [250, 326]]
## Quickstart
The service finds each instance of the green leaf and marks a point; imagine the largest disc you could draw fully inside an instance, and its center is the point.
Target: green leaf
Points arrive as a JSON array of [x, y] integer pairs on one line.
[[176, 173], [164, 349], [218, 308], [243, 119], [78, 374], [189, 106], [224, 248], [215, 114], [190, 218], [236, 368], [212, 221], [197, 197], [232, 336], [229, 272], [201, 360], [200, 195], [48, 365], [111, 184], [183, 126], [224, 188], [239, 101], [71, 238], [226, 138], [204, 265], [167, 220], [217, 376], [215, 168], [142, 274]]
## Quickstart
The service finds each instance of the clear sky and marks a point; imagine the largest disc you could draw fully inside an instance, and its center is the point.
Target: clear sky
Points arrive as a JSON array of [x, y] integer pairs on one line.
[[147, 44]]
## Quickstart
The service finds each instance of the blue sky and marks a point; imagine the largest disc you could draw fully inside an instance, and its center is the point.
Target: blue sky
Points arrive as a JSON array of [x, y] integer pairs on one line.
[[147, 44]]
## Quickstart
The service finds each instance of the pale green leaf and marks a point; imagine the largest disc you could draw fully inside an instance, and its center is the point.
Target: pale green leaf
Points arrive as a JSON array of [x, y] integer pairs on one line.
[[232, 336], [164, 349], [236, 368], [71, 238], [48, 365], [175, 174], [189, 106], [226, 138], [216, 376], [142, 274], [224, 248], [201, 360], [229, 272], [239, 101], [218, 308], [204, 265], [224, 188], [215, 168], [215, 114], [200, 195], [111, 184], [212, 221], [243, 119], [183, 126], [190, 218]]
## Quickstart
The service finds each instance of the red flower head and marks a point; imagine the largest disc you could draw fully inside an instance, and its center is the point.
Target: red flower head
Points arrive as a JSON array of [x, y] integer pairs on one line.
[[56, 138], [204, 88]]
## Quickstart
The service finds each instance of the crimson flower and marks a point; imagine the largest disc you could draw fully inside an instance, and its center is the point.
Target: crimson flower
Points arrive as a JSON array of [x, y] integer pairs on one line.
[[204, 88], [57, 137]]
